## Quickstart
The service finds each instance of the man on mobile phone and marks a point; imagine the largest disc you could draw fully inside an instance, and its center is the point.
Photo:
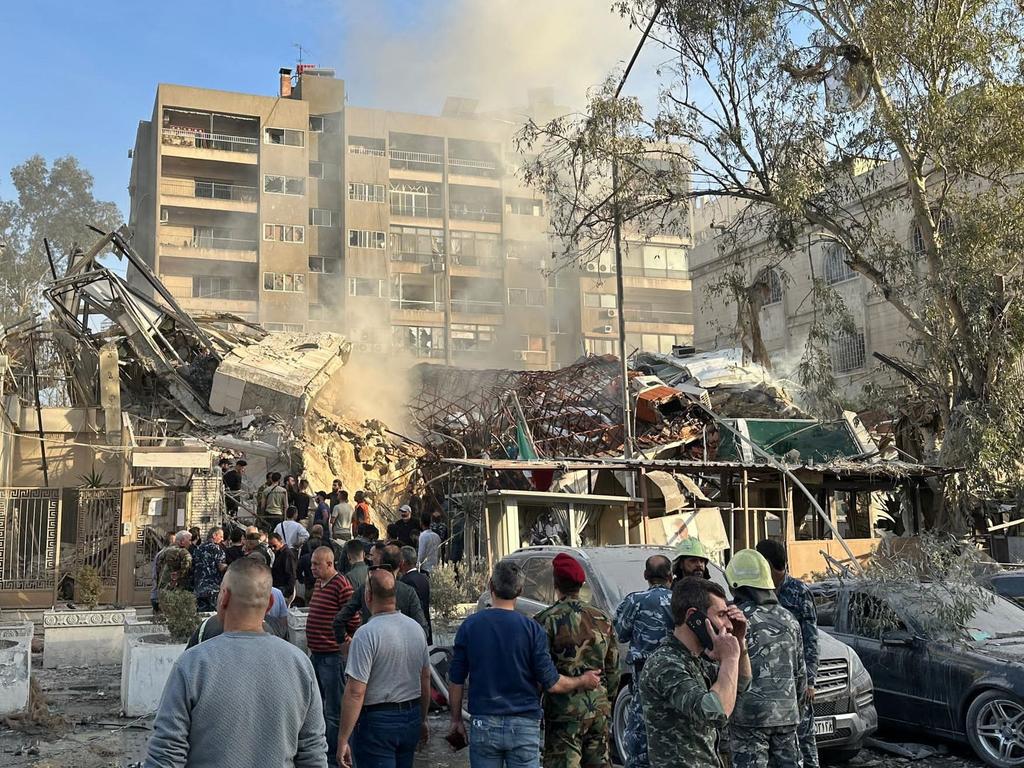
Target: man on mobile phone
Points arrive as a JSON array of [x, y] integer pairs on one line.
[[688, 686], [763, 727]]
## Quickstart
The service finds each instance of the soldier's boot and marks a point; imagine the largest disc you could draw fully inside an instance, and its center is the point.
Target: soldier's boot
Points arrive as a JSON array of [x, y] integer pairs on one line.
[[805, 736], [635, 736], [784, 748]]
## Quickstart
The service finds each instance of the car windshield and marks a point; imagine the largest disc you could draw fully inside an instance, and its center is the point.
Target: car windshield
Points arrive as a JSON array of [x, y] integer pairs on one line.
[[999, 619], [624, 573]]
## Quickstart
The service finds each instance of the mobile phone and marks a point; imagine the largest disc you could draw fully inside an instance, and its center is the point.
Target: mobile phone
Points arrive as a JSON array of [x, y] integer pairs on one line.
[[457, 740], [697, 623]]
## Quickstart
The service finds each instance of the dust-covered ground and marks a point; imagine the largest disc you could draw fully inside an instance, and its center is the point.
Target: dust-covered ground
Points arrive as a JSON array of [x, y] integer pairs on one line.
[[95, 736]]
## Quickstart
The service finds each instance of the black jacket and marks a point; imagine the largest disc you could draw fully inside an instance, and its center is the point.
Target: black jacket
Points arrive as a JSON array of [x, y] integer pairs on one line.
[[406, 600], [284, 571]]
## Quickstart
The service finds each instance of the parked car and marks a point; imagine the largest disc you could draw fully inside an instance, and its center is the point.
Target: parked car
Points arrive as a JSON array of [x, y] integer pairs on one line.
[[1008, 584], [844, 711], [964, 685]]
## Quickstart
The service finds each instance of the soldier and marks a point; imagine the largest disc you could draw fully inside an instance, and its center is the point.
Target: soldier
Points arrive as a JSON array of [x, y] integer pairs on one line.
[[689, 684], [691, 560], [176, 563], [796, 598], [580, 638], [643, 620], [762, 730]]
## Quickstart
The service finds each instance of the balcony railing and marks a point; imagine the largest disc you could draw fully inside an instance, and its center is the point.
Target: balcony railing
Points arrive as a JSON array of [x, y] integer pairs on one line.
[[468, 167], [360, 149], [657, 316], [675, 274], [484, 262], [416, 305], [419, 211], [413, 161], [414, 258], [208, 241], [473, 214], [209, 190], [229, 295], [188, 137], [477, 307]]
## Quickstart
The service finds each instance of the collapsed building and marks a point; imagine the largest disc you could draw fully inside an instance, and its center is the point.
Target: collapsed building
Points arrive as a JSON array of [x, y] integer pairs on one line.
[[116, 407]]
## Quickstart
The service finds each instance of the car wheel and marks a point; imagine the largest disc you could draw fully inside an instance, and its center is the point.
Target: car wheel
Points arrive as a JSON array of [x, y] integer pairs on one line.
[[995, 729], [619, 710]]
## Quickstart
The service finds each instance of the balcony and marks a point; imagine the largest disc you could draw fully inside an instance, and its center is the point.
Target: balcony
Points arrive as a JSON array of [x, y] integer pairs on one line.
[[532, 357], [656, 277], [189, 142], [239, 302], [657, 317], [492, 309], [210, 195], [465, 213], [417, 311], [209, 247], [404, 160], [422, 211], [478, 170]]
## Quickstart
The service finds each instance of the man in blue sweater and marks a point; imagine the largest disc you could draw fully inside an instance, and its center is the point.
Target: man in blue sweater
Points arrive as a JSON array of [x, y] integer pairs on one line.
[[506, 658], [212, 717]]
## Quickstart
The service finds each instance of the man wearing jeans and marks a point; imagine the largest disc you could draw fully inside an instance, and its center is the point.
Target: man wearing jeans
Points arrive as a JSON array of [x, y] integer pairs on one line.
[[506, 658], [387, 695], [331, 592]]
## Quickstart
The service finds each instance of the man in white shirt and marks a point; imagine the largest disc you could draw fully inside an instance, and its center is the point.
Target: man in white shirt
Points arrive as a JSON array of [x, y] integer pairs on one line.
[[341, 515], [429, 548], [291, 531]]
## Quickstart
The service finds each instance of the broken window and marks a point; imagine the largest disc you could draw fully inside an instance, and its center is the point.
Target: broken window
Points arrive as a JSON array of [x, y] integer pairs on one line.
[[367, 193], [526, 297], [535, 343], [284, 185], [290, 282], [285, 136], [324, 265], [848, 352], [285, 233], [420, 244], [365, 286], [204, 286], [421, 341], [871, 616], [524, 206], [321, 217], [470, 338], [600, 346], [366, 238]]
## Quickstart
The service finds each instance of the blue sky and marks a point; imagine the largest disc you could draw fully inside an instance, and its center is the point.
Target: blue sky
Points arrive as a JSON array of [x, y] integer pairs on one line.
[[80, 75]]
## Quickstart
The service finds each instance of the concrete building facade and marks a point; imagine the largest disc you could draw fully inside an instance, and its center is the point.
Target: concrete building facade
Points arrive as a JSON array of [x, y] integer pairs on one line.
[[408, 233]]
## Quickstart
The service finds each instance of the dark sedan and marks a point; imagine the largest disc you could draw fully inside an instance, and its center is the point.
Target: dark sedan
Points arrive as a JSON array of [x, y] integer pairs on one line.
[[965, 685]]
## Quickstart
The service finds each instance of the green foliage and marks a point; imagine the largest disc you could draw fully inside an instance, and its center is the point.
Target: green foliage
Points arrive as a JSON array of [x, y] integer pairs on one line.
[[445, 592], [55, 202], [93, 479], [178, 607], [88, 586]]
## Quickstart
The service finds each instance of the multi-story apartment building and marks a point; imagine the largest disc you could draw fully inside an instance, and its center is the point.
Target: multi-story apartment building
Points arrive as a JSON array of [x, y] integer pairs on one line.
[[405, 232]]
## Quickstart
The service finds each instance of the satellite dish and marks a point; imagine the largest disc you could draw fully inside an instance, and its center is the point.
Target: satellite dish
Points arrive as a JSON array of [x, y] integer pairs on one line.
[[846, 86]]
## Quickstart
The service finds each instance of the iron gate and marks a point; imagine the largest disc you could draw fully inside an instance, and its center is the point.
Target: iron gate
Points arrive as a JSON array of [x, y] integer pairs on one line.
[[98, 539], [29, 531]]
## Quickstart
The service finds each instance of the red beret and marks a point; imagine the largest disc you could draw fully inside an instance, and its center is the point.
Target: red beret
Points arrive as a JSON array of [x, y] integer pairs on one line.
[[566, 567]]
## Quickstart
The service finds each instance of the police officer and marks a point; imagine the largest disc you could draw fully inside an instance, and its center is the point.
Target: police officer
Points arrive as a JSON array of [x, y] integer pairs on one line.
[[643, 620], [796, 598], [691, 560], [762, 729], [581, 638]]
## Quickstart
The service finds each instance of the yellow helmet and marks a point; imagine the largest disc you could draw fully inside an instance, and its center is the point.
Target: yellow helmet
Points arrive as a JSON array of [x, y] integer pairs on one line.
[[748, 568], [691, 547]]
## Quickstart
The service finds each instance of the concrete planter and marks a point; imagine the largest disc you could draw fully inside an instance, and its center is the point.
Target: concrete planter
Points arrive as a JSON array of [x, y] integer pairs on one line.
[[444, 629], [297, 627], [15, 666], [147, 657], [83, 638]]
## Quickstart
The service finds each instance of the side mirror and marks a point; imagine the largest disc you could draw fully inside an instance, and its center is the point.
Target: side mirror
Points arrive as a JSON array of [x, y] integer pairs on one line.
[[897, 638]]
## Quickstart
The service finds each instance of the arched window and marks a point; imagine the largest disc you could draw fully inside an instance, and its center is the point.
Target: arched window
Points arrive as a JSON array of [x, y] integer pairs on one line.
[[945, 228], [771, 277], [836, 268]]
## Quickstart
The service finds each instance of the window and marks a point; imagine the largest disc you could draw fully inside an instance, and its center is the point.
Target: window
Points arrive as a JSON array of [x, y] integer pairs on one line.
[[524, 206], [835, 267], [773, 284], [469, 338], [284, 185], [535, 343], [316, 123], [321, 217], [664, 261], [324, 265], [848, 352], [421, 341], [367, 193], [871, 616], [474, 249], [600, 346], [945, 229], [209, 287], [324, 124], [365, 238], [285, 233], [287, 282], [537, 584], [321, 170], [365, 286], [527, 297], [602, 300], [286, 136], [525, 250], [284, 327], [418, 244], [364, 145], [659, 342]]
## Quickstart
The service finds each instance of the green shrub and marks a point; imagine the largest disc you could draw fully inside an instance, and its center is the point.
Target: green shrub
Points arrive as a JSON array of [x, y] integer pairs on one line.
[[445, 592], [88, 586], [179, 613]]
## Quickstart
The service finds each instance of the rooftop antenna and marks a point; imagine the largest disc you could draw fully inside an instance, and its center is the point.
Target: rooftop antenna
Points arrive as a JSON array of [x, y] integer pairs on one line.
[[300, 48]]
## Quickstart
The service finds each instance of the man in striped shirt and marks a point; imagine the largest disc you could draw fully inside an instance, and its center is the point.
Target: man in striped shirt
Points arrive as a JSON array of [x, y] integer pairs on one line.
[[330, 594]]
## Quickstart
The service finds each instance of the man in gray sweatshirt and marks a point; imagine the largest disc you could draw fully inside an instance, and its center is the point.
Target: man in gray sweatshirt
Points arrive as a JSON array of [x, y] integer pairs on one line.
[[212, 717]]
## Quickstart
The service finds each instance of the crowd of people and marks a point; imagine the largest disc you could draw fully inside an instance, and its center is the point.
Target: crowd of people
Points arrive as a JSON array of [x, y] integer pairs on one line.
[[712, 679]]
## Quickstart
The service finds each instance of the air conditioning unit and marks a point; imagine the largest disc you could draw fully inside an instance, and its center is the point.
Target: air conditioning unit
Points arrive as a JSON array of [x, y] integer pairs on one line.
[[605, 268], [363, 347], [378, 348], [608, 329], [522, 355], [591, 267], [165, 215], [610, 313]]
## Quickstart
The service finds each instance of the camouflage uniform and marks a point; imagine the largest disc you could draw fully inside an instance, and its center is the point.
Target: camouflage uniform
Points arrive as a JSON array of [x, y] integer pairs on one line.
[[683, 717], [642, 620], [796, 598], [762, 730], [576, 724], [175, 565]]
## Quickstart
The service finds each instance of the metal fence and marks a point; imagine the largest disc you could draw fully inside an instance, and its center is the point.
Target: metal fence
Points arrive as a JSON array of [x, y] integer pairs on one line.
[[29, 530], [98, 538]]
